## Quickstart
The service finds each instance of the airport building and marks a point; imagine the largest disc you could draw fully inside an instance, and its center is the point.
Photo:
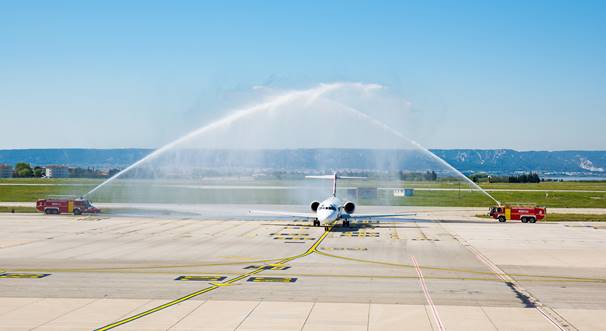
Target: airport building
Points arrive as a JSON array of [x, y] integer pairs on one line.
[[6, 171], [57, 171]]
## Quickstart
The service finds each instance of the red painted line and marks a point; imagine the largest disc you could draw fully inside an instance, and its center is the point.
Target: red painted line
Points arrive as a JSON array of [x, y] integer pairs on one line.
[[434, 310]]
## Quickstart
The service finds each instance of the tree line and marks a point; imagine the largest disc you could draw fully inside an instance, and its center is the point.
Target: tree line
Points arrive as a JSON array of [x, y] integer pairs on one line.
[[25, 170], [530, 177]]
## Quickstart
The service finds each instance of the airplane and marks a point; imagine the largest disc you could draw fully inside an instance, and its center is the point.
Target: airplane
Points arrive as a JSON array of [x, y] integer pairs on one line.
[[331, 209]]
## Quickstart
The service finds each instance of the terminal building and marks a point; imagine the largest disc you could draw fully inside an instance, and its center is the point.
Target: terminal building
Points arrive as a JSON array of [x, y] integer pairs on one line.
[[57, 171], [6, 171]]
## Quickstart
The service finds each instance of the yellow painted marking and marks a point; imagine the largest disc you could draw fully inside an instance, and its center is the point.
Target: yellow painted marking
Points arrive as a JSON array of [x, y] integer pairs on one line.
[[310, 250], [19, 275], [272, 279], [222, 284], [343, 248], [202, 278], [112, 269], [269, 267], [293, 238], [289, 234], [359, 234]]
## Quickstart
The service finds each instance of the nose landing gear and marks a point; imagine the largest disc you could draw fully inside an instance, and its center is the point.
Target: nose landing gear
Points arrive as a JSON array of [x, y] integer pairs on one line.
[[346, 223], [316, 223]]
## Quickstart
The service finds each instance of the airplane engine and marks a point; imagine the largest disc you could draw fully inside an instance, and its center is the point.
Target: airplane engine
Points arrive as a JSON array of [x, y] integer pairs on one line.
[[314, 205], [349, 207]]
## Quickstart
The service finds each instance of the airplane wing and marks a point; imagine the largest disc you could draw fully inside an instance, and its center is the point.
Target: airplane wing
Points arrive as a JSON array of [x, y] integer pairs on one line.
[[358, 216], [283, 213]]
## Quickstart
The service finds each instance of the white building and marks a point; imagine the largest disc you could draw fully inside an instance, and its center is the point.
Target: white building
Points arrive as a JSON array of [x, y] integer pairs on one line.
[[6, 171], [57, 171]]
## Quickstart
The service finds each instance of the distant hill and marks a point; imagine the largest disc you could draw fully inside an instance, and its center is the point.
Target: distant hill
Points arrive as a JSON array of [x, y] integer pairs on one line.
[[500, 161], [77, 157], [507, 160]]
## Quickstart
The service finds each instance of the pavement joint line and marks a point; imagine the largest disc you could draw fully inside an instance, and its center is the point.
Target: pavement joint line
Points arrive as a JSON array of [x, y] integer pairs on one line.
[[488, 318], [309, 251], [313, 305], [547, 312], [186, 315], [248, 315], [67, 312], [434, 310]]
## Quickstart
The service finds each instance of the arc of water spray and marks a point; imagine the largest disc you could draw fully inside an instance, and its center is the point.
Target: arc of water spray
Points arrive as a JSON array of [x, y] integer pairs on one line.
[[315, 93], [427, 152]]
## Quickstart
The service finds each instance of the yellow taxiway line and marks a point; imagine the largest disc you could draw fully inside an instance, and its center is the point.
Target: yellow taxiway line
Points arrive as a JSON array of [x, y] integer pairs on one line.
[[213, 286]]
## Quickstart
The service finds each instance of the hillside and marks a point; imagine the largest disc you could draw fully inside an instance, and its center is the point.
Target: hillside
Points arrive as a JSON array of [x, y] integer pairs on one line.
[[466, 160]]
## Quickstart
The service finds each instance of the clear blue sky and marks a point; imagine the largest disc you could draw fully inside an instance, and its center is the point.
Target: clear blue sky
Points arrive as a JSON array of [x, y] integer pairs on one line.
[[524, 75]]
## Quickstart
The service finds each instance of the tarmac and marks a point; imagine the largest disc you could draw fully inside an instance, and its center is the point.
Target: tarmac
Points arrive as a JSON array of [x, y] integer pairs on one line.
[[443, 270]]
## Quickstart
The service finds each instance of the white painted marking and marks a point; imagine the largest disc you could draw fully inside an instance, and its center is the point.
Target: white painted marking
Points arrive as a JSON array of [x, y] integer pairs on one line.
[[434, 310], [558, 321]]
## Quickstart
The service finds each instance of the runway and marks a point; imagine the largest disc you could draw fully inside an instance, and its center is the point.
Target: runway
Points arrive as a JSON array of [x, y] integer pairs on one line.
[[445, 271]]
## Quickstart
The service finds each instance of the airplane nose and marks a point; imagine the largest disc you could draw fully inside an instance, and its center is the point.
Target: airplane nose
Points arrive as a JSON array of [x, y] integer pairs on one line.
[[326, 216]]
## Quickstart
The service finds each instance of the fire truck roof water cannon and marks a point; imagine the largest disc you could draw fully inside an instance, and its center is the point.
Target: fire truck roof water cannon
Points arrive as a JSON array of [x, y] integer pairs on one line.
[[56, 205], [527, 213]]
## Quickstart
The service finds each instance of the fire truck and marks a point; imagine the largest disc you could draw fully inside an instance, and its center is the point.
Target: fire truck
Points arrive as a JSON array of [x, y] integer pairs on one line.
[[65, 205], [524, 213]]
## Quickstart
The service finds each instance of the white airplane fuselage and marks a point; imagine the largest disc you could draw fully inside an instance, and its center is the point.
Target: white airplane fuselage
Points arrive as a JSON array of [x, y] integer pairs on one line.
[[330, 210]]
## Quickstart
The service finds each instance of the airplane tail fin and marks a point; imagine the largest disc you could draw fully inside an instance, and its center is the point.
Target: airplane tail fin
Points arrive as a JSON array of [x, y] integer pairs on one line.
[[334, 178]]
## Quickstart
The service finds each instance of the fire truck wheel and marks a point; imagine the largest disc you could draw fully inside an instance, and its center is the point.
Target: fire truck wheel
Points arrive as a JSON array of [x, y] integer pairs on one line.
[[502, 219], [524, 220], [77, 211], [533, 220], [47, 211]]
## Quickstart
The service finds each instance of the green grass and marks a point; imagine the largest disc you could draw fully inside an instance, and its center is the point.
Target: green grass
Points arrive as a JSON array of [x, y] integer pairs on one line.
[[589, 186], [576, 217], [150, 191]]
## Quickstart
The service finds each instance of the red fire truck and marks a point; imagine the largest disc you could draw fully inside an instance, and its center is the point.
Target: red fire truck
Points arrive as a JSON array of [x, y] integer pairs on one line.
[[524, 213], [65, 205]]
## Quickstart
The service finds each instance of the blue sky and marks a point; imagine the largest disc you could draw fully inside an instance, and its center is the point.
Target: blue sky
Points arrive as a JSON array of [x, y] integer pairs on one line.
[[522, 75]]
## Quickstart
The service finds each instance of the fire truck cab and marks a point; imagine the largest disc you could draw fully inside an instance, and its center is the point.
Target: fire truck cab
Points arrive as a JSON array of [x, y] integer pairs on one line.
[[524, 213], [65, 205]]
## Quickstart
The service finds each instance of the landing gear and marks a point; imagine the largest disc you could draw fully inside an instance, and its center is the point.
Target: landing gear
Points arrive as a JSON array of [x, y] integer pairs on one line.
[[345, 223], [316, 223]]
